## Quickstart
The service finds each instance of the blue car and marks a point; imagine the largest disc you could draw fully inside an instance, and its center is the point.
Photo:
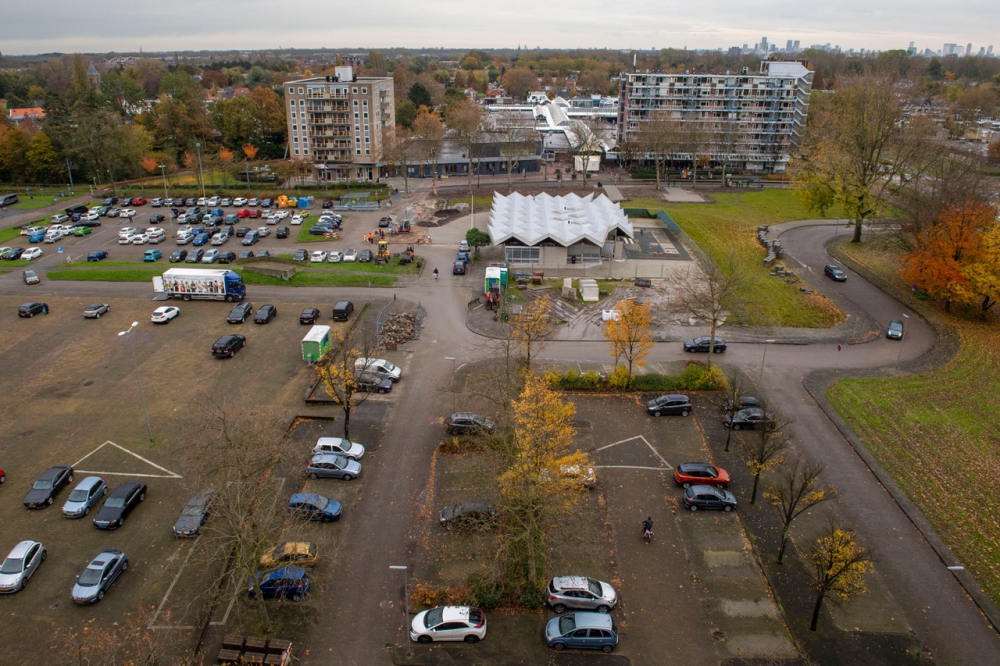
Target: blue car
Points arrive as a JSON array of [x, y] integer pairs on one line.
[[84, 497], [36, 237], [591, 631], [97, 255], [200, 239], [287, 582], [310, 506]]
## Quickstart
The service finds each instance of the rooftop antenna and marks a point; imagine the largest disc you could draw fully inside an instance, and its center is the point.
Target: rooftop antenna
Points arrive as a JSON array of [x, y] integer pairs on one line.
[[633, 60]]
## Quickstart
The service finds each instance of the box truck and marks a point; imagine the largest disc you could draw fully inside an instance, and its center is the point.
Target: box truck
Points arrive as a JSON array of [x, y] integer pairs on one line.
[[202, 283], [315, 344]]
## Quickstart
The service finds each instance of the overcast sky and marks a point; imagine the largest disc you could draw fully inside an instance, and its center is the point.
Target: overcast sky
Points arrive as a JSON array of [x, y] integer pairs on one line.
[[100, 26]]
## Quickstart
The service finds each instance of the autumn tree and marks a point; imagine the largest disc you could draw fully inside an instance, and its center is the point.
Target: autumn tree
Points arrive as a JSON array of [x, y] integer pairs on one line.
[[13, 153], [128, 641], [519, 81], [337, 372], [736, 389], [44, 165], [763, 448], [226, 157], [400, 149], [532, 327], [659, 138], [712, 294], [840, 565], [796, 491], [420, 96], [516, 138], [250, 151], [993, 152], [629, 336], [429, 133], [466, 120]]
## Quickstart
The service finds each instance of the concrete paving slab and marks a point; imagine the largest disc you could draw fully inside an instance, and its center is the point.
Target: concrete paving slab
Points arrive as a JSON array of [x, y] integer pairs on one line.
[[681, 195]]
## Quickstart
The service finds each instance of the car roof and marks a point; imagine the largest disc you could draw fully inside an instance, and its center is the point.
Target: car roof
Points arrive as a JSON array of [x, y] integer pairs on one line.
[[304, 498], [90, 482], [327, 457], [570, 583], [474, 505], [20, 549], [293, 547], [592, 620], [105, 555], [333, 441], [751, 411], [55, 469], [125, 488], [295, 573], [692, 466], [464, 415]]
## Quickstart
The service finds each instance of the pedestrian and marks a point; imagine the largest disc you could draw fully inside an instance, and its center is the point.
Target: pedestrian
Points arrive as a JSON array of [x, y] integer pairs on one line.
[[45, 308]]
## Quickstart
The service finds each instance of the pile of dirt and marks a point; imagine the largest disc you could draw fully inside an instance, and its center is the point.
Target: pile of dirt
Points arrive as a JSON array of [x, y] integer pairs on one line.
[[399, 327]]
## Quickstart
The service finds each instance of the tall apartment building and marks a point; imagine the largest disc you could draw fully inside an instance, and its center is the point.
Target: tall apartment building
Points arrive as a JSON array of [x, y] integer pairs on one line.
[[339, 123], [750, 121]]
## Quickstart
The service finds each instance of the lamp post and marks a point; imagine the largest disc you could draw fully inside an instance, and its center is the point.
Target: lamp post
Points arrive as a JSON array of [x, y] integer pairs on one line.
[[902, 337], [923, 639], [760, 378], [163, 172], [135, 364], [454, 397], [246, 164], [200, 170], [406, 606]]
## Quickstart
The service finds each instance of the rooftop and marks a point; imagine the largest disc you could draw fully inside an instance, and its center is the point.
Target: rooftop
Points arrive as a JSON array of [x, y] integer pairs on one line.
[[563, 220]]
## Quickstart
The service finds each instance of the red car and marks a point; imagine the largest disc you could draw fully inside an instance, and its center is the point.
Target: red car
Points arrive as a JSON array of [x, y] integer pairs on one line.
[[701, 474], [3, 477], [255, 213], [138, 201], [243, 212]]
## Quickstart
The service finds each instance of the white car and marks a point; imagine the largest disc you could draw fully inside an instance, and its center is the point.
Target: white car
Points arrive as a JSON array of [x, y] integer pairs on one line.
[[202, 201], [90, 217], [53, 236], [31, 253], [95, 209], [240, 201], [350, 255], [463, 246], [339, 446], [318, 256], [182, 218], [140, 239], [126, 240], [272, 219], [253, 202], [21, 563], [282, 214], [164, 314], [28, 231], [212, 201], [263, 231], [297, 219], [156, 231], [126, 231], [449, 623], [127, 213], [210, 257], [335, 257]]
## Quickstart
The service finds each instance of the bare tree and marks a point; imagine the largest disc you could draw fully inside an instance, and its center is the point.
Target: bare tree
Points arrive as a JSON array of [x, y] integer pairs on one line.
[[763, 447], [796, 491], [532, 327], [516, 139], [735, 391], [337, 371], [467, 121], [591, 135], [400, 149], [659, 138], [430, 137], [694, 141], [729, 137]]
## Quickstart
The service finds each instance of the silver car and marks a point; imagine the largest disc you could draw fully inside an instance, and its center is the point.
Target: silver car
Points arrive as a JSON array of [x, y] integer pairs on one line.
[[95, 580], [84, 497], [20, 564], [580, 592]]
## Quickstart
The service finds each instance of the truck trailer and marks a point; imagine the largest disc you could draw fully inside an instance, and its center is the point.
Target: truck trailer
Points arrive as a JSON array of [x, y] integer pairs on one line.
[[200, 283]]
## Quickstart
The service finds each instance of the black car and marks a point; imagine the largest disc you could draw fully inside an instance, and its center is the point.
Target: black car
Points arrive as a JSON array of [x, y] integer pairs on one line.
[[13, 253], [262, 253], [702, 344], [467, 514], [366, 256], [265, 314], [103, 211], [320, 229], [672, 403], [240, 312], [127, 201], [327, 203], [742, 402], [384, 221], [245, 254], [835, 273], [342, 310], [368, 383], [458, 268], [111, 201], [77, 210], [156, 219], [31, 309], [895, 330], [467, 423], [749, 419], [301, 255], [194, 513], [227, 257], [281, 232], [119, 504], [47, 486], [228, 345], [708, 497], [195, 255], [178, 256], [309, 316]]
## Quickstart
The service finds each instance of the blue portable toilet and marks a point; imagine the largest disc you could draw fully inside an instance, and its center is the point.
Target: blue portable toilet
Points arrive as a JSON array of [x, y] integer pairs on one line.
[[303, 202]]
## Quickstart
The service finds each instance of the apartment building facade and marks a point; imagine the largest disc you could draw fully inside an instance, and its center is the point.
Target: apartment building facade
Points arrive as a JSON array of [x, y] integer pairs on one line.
[[340, 123], [750, 121]]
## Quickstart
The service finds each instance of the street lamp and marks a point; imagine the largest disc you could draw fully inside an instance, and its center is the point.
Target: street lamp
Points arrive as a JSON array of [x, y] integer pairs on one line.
[[163, 171], [135, 364], [406, 606], [760, 379], [200, 170], [902, 337], [454, 397], [246, 164], [923, 639]]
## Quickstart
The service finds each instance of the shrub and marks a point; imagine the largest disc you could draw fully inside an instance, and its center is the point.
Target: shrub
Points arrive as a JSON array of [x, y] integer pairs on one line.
[[619, 379], [485, 590], [590, 379]]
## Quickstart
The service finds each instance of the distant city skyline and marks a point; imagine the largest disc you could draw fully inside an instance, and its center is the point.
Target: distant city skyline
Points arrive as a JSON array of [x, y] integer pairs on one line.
[[254, 25]]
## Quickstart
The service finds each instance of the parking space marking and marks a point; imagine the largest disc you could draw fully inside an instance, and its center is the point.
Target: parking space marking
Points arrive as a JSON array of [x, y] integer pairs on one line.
[[168, 475], [152, 622], [631, 439]]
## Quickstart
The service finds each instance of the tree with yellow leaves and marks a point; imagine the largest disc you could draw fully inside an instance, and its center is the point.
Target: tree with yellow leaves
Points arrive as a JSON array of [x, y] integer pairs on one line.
[[763, 448], [532, 327], [796, 491], [840, 565], [628, 334], [336, 371]]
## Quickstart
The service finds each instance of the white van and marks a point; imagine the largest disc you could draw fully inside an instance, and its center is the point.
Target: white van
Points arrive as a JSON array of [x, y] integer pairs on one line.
[[379, 367]]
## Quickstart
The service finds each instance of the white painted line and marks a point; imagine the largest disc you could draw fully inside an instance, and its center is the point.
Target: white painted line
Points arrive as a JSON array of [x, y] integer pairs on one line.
[[169, 474], [225, 618], [645, 441], [170, 589], [143, 476]]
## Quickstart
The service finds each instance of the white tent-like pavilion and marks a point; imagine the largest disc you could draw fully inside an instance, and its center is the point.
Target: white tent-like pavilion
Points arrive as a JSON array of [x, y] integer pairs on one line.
[[548, 230]]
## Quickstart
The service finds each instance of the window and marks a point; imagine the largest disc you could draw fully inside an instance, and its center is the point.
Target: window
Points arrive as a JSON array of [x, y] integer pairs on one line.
[[365, 115], [305, 151], [358, 151], [364, 91], [301, 91], [291, 102], [355, 91], [293, 114], [296, 151], [523, 255], [295, 127], [302, 102]]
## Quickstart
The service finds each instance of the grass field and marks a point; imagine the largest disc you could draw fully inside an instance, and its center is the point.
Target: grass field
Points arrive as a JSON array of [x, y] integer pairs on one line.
[[730, 225], [7, 234], [31, 204], [482, 203], [936, 433]]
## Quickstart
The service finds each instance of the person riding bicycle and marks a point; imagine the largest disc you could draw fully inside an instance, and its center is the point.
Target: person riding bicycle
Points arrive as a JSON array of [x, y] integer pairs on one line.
[[435, 274], [647, 526]]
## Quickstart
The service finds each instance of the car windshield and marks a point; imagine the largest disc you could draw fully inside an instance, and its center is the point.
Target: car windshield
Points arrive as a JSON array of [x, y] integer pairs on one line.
[[434, 617], [115, 502], [595, 587], [95, 306], [566, 624], [192, 510], [43, 484], [479, 420], [719, 494], [321, 503], [79, 495], [12, 566], [340, 463], [90, 577]]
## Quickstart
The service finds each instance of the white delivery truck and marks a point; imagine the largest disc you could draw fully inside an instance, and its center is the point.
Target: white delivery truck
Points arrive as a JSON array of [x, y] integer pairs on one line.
[[202, 283]]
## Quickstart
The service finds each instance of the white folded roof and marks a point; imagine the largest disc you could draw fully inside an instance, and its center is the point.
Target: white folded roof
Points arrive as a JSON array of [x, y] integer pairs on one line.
[[565, 220]]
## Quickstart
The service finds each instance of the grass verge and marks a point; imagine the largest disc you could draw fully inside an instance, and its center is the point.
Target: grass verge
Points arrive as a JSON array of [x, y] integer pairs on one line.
[[7, 234], [730, 225], [31, 204], [300, 279], [102, 275]]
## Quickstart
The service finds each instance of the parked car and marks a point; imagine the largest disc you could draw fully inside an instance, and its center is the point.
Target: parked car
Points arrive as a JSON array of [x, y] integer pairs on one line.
[[696, 473], [164, 314], [384, 221], [95, 310], [463, 246], [318, 256], [97, 578], [151, 255], [835, 273], [261, 253], [473, 513], [31, 309], [195, 256], [467, 423], [21, 563], [370, 383], [708, 498], [177, 256], [254, 214], [895, 330], [119, 504], [47, 486], [210, 257], [281, 232], [339, 446], [85, 497], [702, 344], [342, 310], [309, 316], [200, 239], [194, 513], [592, 631], [30, 277], [378, 367], [228, 345], [253, 202], [749, 419], [266, 203], [580, 592], [226, 257], [310, 506], [301, 255], [82, 231], [97, 255], [245, 254], [350, 255], [13, 254], [366, 256], [741, 402], [335, 257], [298, 553], [449, 623], [672, 403], [458, 268], [287, 582], [250, 238], [265, 314], [240, 312], [330, 466]]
